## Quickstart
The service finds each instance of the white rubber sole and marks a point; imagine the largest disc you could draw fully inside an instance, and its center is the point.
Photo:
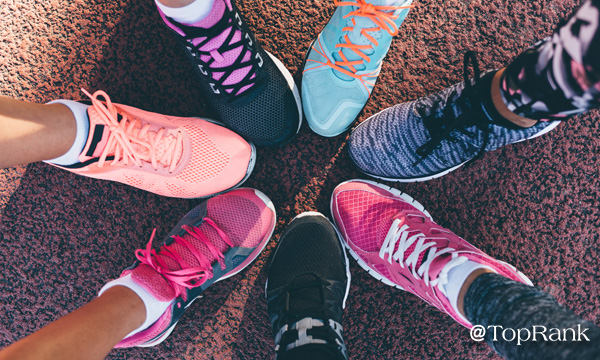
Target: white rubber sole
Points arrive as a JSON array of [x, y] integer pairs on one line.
[[292, 85], [447, 171], [340, 239], [420, 207], [270, 205]]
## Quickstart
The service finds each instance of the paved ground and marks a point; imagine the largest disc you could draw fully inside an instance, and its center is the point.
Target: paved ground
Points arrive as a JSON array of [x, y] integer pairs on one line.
[[533, 204]]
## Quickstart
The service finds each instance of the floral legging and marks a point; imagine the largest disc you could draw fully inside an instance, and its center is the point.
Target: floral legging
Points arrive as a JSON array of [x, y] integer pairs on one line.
[[558, 77]]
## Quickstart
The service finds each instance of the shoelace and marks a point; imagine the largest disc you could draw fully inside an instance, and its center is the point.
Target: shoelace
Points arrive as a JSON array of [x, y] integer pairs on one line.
[[436, 124], [400, 232], [196, 38], [186, 276], [132, 141], [383, 20]]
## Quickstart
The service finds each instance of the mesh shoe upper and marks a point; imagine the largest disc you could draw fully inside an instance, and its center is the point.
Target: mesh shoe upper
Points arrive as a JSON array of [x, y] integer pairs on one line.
[[214, 241], [391, 234], [167, 155], [251, 91], [344, 61], [308, 278], [426, 138]]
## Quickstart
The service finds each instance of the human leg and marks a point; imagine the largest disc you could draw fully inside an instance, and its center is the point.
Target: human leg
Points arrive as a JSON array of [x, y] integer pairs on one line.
[[167, 155], [493, 300], [31, 132], [394, 238], [89, 332], [432, 136], [214, 241]]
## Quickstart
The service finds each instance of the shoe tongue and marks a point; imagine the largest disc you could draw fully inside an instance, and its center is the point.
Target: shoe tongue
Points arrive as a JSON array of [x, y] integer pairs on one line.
[[357, 38], [97, 138], [186, 254], [100, 133], [228, 57], [437, 265], [306, 294], [153, 282], [216, 13]]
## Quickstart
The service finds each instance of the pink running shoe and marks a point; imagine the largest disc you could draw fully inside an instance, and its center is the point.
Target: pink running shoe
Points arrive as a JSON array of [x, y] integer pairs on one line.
[[213, 242], [166, 155], [395, 240]]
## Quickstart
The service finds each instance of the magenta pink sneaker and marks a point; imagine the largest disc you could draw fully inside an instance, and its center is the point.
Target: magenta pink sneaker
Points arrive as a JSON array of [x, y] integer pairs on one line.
[[395, 239], [214, 241]]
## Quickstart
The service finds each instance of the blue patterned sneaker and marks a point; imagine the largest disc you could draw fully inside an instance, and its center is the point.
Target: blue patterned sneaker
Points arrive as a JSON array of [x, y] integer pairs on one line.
[[344, 61], [434, 135]]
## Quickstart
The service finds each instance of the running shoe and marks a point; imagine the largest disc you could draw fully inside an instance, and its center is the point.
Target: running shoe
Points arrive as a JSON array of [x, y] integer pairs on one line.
[[251, 90], [395, 240], [166, 155], [307, 287], [343, 63], [434, 135], [214, 241]]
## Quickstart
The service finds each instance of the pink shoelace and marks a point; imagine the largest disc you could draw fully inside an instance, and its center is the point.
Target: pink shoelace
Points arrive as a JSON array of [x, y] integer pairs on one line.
[[187, 276], [130, 140]]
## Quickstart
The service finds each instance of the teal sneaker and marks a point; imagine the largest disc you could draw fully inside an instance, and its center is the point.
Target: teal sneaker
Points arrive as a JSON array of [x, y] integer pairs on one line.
[[343, 63]]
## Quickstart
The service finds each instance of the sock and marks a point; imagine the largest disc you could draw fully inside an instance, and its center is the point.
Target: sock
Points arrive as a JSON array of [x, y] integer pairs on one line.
[[456, 278], [79, 110], [188, 14], [154, 308]]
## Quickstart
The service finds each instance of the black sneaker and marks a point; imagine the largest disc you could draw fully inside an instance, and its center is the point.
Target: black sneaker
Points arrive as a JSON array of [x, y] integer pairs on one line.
[[251, 90], [306, 289]]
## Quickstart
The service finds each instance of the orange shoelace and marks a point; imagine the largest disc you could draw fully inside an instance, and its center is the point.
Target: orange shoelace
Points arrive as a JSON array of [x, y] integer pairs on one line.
[[383, 20], [131, 140]]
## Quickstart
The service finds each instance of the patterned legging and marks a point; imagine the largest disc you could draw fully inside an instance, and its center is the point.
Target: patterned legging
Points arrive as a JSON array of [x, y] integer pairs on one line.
[[558, 77]]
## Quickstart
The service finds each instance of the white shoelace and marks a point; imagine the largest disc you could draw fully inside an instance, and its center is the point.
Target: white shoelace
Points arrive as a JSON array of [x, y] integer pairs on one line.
[[400, 232]]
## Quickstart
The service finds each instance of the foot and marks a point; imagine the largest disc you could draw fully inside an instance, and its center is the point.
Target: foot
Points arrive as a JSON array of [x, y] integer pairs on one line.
[[250, 89], [166, 155], [343, 63], [434, 135], [214, 241], [395, 239], [307, 288]]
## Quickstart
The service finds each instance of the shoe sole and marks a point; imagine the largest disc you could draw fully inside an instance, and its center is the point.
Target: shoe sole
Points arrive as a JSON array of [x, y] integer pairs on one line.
[[340, 239], [252, 256], [447, 171], [292, 85], [420, 207]]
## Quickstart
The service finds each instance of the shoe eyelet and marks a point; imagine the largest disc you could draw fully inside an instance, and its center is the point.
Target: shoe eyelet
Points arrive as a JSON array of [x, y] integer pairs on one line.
[[250, 42], [216, 91], [260, 63], [204, 72]]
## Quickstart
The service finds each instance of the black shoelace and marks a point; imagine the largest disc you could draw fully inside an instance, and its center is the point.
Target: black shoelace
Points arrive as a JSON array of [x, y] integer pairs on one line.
[[437, 123], [232, 20]]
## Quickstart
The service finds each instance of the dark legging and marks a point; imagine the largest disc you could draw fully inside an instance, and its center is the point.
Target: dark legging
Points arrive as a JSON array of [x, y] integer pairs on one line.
[[558, 77], [497, 303]]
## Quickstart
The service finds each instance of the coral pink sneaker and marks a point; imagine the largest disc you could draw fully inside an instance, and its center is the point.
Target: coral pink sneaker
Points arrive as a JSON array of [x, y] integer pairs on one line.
[[214, 241], [166, 155], [395, 239]]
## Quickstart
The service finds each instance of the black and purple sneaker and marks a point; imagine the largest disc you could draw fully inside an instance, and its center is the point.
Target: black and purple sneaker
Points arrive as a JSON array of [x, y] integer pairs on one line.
[[251, 90]]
